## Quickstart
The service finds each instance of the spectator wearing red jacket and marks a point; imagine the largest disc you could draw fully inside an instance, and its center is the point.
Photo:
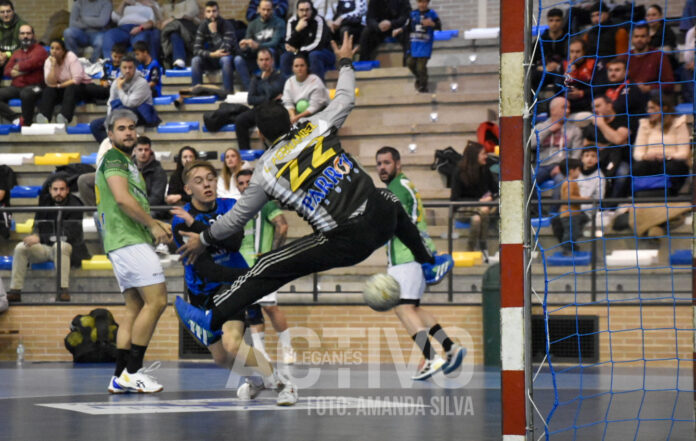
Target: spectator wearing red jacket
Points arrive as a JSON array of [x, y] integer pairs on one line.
[[25, 67], [647, 67]]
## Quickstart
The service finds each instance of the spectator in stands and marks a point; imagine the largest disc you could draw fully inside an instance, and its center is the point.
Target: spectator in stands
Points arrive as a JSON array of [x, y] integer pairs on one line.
[[662, 145], [307, 32], [88, 22], [65, 84], [383, 16], [645, 65], [558, 139], [176, 195], [265, 86], [99, 91], [8, 179], [472, 180], [149, 67], [41, 246], [572, 218], [280, 9], [25, 67], [136, 20], [626, 98], [152, 171], [592, 184], [132, 91], [215, 47], [180, 19], [265, 31], [9, 31], [231, 165], [554, 48], [609, 132], [688, 20], [687, 70], [578, 70], [421, 25], [304, 93], [661, 36], [346, 16], [605, 39]]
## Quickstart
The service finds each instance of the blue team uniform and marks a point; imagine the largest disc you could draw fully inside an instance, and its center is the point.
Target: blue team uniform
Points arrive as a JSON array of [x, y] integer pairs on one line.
[[422, 36], [153, 72], [110, 72]]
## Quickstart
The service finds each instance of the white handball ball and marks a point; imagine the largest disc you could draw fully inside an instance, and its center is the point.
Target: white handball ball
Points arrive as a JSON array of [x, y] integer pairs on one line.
[[381, 292]]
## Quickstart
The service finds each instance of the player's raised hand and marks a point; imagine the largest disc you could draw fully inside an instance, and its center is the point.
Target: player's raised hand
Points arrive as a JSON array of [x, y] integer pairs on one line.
[[346, 50], [192, 247]]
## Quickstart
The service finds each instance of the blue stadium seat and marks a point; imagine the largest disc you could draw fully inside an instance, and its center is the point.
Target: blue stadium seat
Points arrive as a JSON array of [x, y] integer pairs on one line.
[[25, 191], [540, 222], [15, 102], [78, 129], [446, 34], [89, 159], [178, 127], [643, 183], [4, 130], [11, 127], [250, 155], [541, 117], [547, 185], [538, 30], [461, 225], [681, 257], [206, 99], [225, 128], [5, 262], [164, 100], [49, 265], [578, 258], [178, 72], [685, 108], [365, 65]]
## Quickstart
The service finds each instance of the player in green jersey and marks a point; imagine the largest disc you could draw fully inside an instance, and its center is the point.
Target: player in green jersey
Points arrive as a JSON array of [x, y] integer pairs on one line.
[[419, 323], [128, 235]]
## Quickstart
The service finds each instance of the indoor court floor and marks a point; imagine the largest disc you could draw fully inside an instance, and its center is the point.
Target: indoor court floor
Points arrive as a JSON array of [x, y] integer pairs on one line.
[[62, 401]]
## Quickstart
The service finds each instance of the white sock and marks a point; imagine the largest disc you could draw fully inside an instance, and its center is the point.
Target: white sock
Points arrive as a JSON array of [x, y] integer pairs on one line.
[[257, 338], [284, 338]]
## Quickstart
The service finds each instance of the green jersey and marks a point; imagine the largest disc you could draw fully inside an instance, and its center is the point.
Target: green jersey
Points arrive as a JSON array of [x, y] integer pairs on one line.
[[119, 230], [259, 232], [403, 188]]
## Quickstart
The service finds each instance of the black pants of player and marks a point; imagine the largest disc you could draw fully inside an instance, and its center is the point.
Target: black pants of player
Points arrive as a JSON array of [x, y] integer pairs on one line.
[[29, 96], [67, 97], [346, 245], [243, 124]]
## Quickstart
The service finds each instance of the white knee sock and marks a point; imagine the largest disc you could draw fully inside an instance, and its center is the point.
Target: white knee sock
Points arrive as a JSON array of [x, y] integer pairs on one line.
[[284, 338]]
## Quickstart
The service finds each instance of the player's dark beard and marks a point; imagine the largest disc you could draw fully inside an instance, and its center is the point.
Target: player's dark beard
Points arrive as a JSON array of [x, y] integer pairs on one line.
[[127, 150]]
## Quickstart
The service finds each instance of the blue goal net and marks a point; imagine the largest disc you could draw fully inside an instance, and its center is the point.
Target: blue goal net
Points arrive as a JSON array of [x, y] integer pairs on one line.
[[611, 217]]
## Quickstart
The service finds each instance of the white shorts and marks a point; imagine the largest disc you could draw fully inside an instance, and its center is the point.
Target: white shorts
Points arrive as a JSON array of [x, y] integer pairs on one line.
[[267, 300], [136, 266], [410, 278]]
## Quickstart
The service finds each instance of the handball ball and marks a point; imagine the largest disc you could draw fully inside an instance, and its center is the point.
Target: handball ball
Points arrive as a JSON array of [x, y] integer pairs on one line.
[[381, 292], [301, 106]]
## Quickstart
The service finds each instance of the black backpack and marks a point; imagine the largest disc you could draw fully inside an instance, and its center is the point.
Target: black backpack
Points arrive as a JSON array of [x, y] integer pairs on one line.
[[92, 337], [445, 162]]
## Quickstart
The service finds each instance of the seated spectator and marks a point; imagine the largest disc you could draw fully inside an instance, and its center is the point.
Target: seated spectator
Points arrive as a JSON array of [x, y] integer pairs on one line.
[[176, 195], [65, 84], [645, 65], [346, 16], [180, 19], [88, 23], [688, 19], [626, 98], [132, 91], [231, 165], [265, 86], [687, 71], [265, 31], [41, 246], [558, 139], [662, 145], [308, 33], [609, 132], [421, 25], [149, 67], [152, 171], [9, 31], [572, 218], [605, 39], [472, 180], [383, 16], [304, 94], [661, 37], [578, 70], [550, 56], [136, 20], [591, 182], [25, 67], [8, 179], [99, 91], [214, 48], [280, 9]]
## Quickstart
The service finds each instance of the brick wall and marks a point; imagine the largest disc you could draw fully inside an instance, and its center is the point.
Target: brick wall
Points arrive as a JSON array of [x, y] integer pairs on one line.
[[316, 331]]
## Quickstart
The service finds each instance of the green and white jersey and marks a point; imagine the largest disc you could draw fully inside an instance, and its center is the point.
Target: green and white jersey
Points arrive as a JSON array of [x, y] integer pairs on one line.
[[259, 232], [403, 188], [119, 230]]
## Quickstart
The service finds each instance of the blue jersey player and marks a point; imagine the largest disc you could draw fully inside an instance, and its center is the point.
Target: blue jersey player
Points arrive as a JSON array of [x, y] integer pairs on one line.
[[149, 67], [221, 263]]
